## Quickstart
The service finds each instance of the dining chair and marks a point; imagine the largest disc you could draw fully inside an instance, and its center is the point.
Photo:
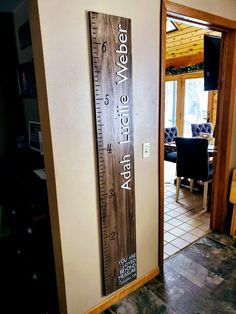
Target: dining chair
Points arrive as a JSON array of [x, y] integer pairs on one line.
[[169, 136], [192, 163], [201, 128]]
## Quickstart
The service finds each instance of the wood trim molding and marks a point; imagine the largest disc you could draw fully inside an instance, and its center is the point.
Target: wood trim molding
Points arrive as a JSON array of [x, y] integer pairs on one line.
[[185, 61], [123, 292], [180, 110], [212, 107], [48, 152], [204, 19], [161, 133], [225, 104]]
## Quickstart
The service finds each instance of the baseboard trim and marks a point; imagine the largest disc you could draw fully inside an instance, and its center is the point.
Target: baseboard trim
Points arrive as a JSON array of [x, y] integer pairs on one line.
[[123, 292]]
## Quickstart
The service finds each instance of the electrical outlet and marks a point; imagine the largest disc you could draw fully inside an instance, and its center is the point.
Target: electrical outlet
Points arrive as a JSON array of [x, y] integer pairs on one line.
[[146, 150]]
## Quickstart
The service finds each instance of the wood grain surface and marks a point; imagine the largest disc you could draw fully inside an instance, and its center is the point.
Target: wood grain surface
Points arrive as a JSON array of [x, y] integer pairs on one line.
[[232, 199], [232, 196], [112, 80]]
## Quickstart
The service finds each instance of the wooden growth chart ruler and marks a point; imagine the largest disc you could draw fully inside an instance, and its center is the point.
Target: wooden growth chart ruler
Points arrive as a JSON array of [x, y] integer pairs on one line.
[[112, 82]]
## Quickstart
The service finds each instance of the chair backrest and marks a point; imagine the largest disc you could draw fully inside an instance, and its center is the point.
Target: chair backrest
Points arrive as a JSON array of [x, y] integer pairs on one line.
[[170, 134], [201, 128], [192, 158]]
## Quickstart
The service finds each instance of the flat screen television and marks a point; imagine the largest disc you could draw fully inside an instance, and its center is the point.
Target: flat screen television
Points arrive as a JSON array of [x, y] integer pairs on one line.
[[35, 139], [211, 62]]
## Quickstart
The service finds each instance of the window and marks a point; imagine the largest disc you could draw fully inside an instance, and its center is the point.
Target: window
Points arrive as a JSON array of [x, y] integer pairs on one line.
[[170, 103], [195, 104], [186, 102]]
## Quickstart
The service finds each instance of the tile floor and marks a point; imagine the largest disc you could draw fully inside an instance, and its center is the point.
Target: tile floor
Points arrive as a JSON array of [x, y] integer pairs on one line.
[[185, 221], [201, 279]]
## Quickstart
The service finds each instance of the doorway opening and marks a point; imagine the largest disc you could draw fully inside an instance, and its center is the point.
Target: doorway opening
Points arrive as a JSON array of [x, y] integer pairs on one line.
[[190, 112], [225, 107], [27, 270]]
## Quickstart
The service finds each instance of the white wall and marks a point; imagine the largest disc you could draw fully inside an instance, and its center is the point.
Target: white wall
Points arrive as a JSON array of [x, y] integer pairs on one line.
[[226, 8], [65, 38]]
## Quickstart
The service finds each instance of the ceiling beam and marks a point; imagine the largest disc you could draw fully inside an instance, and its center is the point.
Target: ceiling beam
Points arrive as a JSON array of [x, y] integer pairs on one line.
[[185, 61]]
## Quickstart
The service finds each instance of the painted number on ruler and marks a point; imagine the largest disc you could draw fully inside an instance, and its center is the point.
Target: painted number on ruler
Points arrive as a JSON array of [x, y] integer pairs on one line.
[[109, 148], [106, 102], [104, 47], [113, 235], [111, 193]]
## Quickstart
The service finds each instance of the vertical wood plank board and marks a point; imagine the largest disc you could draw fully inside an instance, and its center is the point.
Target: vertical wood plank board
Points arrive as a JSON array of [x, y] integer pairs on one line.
[[112, 80]]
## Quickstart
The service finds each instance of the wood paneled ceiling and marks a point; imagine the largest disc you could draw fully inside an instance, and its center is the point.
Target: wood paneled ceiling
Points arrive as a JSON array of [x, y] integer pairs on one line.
[[186, 41]]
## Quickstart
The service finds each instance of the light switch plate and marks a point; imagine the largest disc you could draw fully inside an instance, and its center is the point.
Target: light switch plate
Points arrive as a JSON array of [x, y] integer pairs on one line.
[[146, 150]]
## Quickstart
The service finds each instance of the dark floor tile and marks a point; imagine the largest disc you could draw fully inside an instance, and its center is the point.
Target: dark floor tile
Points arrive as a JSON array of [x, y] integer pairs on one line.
[[209, 305], [185, 297], [213, 255], [174, 289], [194, 272], [227, 291], [223, 239], [201, 279], [141, 301]]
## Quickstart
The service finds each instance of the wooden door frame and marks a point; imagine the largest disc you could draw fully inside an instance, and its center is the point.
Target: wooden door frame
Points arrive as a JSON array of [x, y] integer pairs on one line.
[[48, 151], [225, 108]]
